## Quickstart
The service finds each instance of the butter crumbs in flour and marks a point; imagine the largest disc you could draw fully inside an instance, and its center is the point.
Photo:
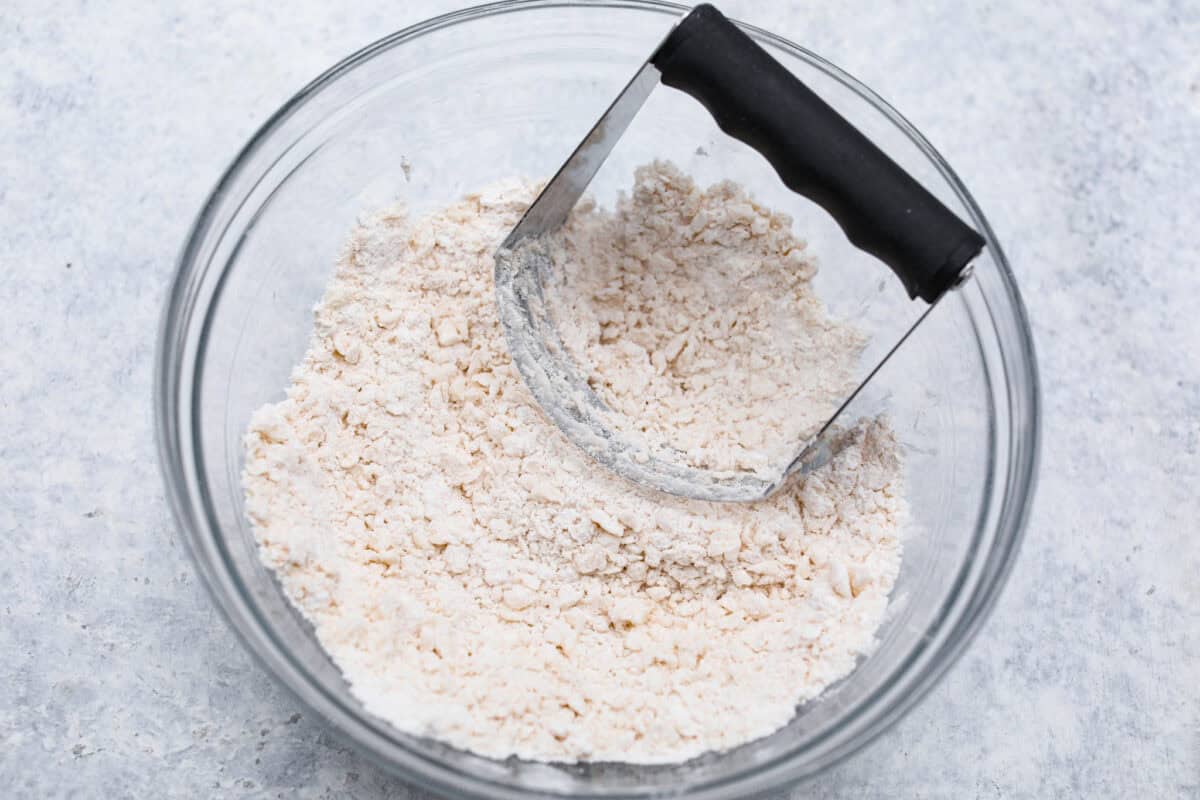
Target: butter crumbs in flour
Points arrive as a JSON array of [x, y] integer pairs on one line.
[[479, 580]]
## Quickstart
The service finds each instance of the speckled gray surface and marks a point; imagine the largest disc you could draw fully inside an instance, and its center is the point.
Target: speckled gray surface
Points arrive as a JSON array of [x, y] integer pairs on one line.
[[1079, 134]]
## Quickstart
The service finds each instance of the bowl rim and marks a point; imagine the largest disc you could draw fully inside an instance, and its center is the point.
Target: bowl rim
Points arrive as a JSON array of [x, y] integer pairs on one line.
[[417, 768]]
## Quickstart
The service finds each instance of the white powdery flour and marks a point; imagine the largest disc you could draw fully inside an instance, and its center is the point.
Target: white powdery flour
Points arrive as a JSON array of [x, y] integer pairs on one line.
[[479, 580]]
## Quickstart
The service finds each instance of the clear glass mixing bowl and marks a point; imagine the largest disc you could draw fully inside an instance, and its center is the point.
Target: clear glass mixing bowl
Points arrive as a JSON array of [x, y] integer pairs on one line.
[[508, 89]]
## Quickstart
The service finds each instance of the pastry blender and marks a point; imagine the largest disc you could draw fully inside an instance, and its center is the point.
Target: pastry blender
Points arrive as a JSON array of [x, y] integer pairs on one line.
[[816, 152]]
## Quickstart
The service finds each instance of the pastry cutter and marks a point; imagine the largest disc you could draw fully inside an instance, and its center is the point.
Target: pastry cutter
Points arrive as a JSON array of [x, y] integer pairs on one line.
[[816, 152]]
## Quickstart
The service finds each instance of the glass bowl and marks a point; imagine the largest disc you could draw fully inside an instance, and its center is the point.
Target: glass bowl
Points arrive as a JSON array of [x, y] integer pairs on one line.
[[508, 89]]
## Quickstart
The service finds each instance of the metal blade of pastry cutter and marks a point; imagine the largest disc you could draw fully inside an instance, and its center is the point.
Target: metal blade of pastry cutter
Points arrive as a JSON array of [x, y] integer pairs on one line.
[[524, 267]]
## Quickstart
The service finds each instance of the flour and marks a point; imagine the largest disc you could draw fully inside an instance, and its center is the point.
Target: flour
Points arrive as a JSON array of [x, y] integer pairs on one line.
[[479, 580]]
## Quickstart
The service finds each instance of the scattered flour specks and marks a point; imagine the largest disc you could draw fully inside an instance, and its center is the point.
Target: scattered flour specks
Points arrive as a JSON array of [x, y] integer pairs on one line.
[[478, 580]]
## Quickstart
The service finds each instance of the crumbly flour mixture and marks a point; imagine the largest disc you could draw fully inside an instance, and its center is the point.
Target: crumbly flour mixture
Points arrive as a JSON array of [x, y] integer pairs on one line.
[[479, 580]]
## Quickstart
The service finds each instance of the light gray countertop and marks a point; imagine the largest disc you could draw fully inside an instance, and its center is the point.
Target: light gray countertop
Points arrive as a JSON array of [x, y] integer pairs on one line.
[[1079, 134]]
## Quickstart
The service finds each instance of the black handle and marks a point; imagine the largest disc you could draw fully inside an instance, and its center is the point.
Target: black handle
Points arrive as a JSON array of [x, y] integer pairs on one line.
[[817, 153]]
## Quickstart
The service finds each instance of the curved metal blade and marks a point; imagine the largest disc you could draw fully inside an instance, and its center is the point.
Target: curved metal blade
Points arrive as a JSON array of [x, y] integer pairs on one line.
[[524, 268]]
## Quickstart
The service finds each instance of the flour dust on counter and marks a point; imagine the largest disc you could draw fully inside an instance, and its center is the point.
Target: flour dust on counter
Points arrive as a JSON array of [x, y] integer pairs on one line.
[[477, 579]]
